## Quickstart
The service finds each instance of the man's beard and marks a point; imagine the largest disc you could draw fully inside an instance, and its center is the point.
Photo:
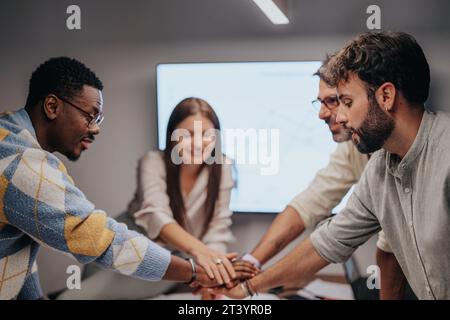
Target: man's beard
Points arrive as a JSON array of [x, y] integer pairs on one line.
[[72, 157], [376, 128], [342, 136]]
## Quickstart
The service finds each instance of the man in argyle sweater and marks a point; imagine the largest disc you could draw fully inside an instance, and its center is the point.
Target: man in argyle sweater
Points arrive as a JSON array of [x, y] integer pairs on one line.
[[39, 203]]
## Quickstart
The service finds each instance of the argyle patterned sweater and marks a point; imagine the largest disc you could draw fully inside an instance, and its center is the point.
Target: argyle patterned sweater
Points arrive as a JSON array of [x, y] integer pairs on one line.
[[39, 204]]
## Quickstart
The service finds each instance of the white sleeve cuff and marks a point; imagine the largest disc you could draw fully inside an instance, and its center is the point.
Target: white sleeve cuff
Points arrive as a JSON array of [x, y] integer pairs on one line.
[[248, 257], [382, 243]]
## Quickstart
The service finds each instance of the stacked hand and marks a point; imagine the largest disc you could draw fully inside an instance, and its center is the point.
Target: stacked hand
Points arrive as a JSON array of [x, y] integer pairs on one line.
[[236, 292], [209, 288], [217, 265]]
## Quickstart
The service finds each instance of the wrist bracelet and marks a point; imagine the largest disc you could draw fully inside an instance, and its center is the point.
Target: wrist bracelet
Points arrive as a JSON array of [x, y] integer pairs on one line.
[[248, 257], [249, 288], [194, 270], [244, 288]]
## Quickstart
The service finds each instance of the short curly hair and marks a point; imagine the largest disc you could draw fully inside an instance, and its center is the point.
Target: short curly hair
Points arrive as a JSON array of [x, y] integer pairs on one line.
[[322, 71], [379, 57], [62, 76]]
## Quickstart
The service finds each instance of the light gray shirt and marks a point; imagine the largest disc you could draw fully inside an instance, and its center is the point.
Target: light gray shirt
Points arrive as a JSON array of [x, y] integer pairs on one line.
[[410, 200], [330, 185]]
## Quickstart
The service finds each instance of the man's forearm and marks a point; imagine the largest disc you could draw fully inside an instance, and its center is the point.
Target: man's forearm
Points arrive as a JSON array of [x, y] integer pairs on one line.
[[393, 280], [179, 270], [287, 226], [302, 263]]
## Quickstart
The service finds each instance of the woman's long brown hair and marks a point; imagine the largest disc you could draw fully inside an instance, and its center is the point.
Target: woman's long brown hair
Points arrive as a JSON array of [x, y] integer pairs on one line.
[[184, 109]]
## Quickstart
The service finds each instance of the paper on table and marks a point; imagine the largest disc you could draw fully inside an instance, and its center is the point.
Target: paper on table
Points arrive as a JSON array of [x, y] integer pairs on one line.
[[327, 289]]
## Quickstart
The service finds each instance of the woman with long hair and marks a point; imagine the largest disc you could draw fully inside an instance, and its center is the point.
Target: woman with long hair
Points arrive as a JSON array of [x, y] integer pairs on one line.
[[184, 192]]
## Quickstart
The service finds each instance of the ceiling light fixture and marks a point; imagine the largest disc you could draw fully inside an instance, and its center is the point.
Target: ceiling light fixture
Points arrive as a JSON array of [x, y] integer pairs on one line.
[[275, 10]]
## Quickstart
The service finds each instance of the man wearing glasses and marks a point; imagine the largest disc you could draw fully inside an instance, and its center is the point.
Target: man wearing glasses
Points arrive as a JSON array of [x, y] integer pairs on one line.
[[92, 120], [39, 203], [327, 189], [383, 81]]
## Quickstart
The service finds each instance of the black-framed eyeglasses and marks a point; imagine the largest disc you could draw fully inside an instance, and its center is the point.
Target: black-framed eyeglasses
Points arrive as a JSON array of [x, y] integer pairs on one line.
[[92, 119], [330, 102]]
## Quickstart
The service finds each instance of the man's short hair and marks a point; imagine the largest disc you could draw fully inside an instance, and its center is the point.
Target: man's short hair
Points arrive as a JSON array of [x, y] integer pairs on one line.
[[62, 76], [379, 57], [322, 71]]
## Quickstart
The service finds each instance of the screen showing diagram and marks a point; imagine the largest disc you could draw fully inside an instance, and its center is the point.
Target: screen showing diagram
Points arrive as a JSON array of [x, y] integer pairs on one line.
[[268, 125]]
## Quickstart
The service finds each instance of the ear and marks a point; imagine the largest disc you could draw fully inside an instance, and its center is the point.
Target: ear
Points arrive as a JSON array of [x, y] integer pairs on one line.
[[385, 96], [51, 107]]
